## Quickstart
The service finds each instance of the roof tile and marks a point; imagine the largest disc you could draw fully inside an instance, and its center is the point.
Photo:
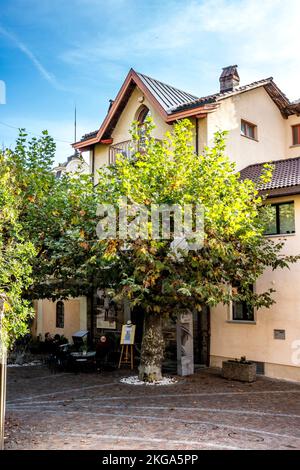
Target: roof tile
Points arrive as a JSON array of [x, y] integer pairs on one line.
[[286, 173]]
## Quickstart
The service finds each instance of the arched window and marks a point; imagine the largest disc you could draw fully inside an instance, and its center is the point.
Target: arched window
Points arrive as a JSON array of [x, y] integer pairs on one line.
[[142, 114], [60, 314]]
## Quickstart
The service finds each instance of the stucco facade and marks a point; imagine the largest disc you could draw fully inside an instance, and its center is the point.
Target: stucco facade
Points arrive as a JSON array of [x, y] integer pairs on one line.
[[256, 107], [75, 317], [273, 141], [255, 340]]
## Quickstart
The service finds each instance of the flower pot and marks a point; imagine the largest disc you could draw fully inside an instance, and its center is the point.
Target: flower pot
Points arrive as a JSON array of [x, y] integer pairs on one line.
[[242, 371]]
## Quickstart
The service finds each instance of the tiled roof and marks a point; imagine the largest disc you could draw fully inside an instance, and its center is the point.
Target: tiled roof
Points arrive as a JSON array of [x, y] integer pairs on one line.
[[89, 135], [174, 100], [168, 96], [225, 94], [286, 173]]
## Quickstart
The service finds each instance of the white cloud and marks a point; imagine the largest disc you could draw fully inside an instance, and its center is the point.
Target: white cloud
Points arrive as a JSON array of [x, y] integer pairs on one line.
[[37, 64], [261, 36]]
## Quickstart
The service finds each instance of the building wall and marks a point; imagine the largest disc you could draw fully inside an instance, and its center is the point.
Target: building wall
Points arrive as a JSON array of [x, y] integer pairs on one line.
[[75, 317], [256, 340], [291, 151], [274, 135], [258, 108], [232, 339], [122, 131]]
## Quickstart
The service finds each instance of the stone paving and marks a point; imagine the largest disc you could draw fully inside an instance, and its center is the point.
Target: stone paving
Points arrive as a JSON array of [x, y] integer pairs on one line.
[[96, 411]]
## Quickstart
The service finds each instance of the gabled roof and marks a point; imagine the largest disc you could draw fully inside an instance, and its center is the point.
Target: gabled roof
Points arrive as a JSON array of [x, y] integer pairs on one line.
[[169, 97], [164, 98], [173, 103], [285, 177]]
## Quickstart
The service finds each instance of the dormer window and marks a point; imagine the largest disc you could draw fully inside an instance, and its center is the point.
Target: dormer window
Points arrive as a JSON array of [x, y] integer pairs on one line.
[[296, 134], [248, 130]]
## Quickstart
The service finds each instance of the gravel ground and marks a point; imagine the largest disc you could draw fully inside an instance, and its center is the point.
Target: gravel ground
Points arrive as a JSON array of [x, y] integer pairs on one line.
[[96, 411]]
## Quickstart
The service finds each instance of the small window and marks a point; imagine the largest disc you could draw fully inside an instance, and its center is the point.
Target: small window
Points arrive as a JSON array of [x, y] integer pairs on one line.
[[282, 219], [241, 311], [60, 314], [248, 129], [296, 134]]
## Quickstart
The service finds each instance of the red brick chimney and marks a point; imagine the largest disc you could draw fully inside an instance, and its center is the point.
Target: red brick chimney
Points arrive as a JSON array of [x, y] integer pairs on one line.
[[229, 78]]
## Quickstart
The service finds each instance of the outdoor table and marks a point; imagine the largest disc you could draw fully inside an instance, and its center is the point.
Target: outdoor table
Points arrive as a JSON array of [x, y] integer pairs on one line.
[[83, 359]]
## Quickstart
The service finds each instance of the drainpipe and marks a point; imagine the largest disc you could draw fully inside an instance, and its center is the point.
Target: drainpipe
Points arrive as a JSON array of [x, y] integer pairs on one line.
[[197, 136], [93, 164]]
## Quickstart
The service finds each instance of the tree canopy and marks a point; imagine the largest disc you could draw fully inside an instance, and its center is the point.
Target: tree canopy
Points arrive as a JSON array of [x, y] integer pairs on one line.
[[49, 246], [235, 250], [43, 224]]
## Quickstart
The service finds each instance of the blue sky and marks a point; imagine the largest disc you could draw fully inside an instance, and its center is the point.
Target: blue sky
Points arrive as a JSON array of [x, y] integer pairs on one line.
[[56, 53]]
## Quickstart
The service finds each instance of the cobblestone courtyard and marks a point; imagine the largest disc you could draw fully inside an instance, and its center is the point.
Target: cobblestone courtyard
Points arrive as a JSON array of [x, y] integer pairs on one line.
[[96, 411]]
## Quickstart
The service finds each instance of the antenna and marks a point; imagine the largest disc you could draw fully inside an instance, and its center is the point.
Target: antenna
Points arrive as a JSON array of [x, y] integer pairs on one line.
[[75, 124]]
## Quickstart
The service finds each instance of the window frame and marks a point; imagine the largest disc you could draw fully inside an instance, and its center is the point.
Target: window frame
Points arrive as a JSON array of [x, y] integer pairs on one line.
[[249, 124], [60, 315], [241, 320], [230, 314], [277, 219], [296, 126], [142, 113]]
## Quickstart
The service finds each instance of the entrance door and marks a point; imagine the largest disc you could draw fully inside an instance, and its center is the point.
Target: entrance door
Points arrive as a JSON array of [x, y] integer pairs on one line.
[[202, 337], [201, 333]]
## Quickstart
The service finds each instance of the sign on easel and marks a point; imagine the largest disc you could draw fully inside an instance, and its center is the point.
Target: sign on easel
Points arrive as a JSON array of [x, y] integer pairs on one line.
[[128, 333], [127, 342]]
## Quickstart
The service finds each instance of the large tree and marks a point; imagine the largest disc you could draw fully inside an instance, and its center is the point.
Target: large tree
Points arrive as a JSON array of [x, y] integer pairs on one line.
[[16, 254], [235, 251], [65, 258], [47, 230]]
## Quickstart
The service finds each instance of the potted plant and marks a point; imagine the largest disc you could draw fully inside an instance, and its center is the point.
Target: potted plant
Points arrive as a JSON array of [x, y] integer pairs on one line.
[[239, 369]]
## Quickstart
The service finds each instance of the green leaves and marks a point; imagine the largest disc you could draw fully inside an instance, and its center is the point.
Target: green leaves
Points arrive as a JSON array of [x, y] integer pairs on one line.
[[235, 250]]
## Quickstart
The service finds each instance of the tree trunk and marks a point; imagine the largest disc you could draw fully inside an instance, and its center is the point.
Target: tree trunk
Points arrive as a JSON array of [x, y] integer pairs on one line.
[[152, 352]]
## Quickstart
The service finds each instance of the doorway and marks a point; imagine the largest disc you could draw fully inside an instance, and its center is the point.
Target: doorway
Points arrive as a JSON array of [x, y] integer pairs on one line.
[[202, 337]]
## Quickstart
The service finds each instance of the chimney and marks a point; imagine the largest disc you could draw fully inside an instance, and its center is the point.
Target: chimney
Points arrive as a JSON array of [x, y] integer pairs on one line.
[[229, 78]]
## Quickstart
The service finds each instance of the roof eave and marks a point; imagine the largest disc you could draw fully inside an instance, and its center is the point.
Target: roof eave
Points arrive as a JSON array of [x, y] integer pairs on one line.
[[283, 191], [199, 111], [132, 78]]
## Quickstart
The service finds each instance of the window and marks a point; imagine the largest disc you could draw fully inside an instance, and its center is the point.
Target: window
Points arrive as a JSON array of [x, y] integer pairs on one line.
[[248, 129], [60, 314], [296, 134], [241, 311], [143, 113], [282, 219]]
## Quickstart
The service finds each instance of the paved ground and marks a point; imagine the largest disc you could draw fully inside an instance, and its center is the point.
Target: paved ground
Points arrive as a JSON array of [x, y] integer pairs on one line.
[[96, 411]]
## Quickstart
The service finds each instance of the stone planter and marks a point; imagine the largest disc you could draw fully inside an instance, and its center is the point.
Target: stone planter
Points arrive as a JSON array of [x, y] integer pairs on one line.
[[242, 371]]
